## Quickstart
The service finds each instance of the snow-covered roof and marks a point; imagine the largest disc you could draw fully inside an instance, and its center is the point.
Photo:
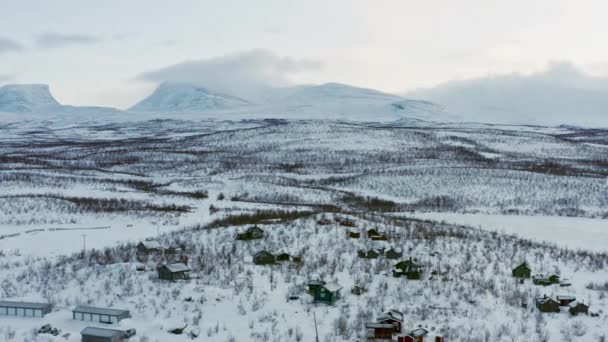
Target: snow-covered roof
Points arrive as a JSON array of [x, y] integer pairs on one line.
[[378, 325], [101, 332], [25, 305], [419, 332], [566, 297], [100, 311], [332, 287], [177, 267]]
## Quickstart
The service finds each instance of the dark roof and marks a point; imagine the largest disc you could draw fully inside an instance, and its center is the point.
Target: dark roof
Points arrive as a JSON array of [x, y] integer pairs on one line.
[[419, 332], [100, 311], [26, 305], [101, 332], [522, 266]]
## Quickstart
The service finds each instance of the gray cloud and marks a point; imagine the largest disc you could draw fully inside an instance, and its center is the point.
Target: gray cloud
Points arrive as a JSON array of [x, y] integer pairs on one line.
[[560, 94], [57, 40], [245, 74], [9, 45]]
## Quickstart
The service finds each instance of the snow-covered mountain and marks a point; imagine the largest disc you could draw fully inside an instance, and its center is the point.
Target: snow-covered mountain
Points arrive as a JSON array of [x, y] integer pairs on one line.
[[25, 98], [186, 98], [326, 101], [35, 101]]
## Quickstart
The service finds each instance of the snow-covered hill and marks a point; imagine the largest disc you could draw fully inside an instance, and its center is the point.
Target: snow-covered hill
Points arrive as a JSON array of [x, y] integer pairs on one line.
[[186, 98], [22, 98], [35, 101]]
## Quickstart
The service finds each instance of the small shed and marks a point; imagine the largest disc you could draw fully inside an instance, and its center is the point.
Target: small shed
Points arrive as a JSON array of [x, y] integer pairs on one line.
[[101, 315], [263, 258], [358, 290], [327, 293], [577, 307], [252, 233], [148, 247], [394, 253], [522, 271], [174, 271], [547, 304], [283, 256], [416, 335], [24, 309], [354, 235], [94, 334]]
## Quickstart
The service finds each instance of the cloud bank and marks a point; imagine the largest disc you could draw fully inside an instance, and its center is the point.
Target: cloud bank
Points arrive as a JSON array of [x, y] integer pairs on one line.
[[9, 45], [560, 94], [248, 74], [50, 40]]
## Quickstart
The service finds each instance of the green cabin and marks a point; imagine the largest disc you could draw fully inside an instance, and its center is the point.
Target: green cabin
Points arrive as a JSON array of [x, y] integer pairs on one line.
[[522, 271], [263, 258], [371, 254], [546, 281], [327, 293], [252, 233], [409, 269]]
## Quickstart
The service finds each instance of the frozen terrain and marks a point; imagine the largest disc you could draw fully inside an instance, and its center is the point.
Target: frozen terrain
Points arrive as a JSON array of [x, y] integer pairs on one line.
[[196, 183]]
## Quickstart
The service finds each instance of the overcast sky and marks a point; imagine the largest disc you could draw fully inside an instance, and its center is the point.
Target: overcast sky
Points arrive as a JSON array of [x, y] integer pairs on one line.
[[112, 52]]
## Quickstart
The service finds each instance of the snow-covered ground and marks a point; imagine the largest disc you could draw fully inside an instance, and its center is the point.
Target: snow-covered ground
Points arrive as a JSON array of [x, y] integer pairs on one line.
[[570, 232]]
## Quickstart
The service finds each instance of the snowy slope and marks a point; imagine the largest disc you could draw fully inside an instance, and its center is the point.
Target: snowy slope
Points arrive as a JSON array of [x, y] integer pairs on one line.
[[186, 98], [20, 98]]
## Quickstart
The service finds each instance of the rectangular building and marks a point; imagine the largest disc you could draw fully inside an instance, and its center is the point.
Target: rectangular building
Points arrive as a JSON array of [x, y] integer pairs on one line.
[[24, 309], [101, 315], [93, 334]]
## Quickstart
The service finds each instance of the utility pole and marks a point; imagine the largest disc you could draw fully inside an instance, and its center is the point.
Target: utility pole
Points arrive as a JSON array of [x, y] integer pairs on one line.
[[84, 242], [316, 331]]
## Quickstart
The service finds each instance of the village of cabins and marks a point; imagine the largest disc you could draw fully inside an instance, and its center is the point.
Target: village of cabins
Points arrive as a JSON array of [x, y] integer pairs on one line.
[[388, 326]]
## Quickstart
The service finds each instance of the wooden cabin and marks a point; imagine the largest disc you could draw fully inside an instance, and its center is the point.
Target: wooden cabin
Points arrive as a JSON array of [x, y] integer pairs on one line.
[[282, 256], [313, 285], [547, 304], [379, 331], [263, 258], [546, 281], [394, 253], [146, 247], [522, 271], [174, 271], [348, 223], [393, 317], [252, 233], [354, 235], [324, 222], [371, 254], [576, 307], [327, 293], [409, 269]]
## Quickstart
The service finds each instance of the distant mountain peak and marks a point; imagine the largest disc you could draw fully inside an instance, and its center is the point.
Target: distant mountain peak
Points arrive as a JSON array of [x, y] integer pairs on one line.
[[185, 97], [23, 98]]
